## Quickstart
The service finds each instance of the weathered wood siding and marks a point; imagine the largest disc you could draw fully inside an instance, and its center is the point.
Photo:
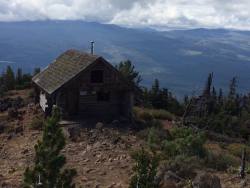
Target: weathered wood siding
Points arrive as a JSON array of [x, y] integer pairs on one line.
[[80, 96], [89, 105], [109, 75], [88, 99]]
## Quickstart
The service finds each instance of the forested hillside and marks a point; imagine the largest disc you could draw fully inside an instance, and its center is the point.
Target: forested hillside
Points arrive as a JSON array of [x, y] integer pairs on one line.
[[179, 59]]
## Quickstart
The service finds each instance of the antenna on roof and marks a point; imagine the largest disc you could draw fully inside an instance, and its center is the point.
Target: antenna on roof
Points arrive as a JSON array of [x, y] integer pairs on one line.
[[92, 47]]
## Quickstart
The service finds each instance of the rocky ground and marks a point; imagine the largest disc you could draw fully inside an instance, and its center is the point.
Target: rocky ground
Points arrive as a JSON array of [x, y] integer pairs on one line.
[[100, 160], [101, 156], [99, 152]]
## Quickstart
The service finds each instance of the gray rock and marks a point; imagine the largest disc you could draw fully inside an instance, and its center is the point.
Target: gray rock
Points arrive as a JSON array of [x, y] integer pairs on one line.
[[74, 133], [99, 125], [115, 123]]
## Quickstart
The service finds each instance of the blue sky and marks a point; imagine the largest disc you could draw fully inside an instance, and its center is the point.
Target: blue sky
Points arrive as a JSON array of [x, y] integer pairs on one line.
[[158, 14]]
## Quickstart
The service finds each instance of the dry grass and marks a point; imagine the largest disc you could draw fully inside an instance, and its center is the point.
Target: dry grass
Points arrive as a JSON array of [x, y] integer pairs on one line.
[[228, 155], [18, 93], [237, 148], [146, 113]]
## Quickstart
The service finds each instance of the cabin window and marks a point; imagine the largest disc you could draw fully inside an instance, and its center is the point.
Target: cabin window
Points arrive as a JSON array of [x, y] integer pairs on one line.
[[97, 76], [103, 96]]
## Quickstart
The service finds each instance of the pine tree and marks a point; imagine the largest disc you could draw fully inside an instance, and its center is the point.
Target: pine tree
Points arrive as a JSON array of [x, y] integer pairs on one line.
[[48, 159], [127, 69], [220, 97], [155, 96], [146, 97], [145, 170], [156, 87], [27, 79], [9, 79], [186, 100], [132, 77], [212, 103], [232, 89], [207, 89], [2, 88], [19, 77], [231, 105]]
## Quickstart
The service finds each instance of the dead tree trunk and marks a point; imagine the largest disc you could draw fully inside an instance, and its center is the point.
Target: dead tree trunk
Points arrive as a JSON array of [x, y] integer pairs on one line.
[[187, 109], [243, 164]]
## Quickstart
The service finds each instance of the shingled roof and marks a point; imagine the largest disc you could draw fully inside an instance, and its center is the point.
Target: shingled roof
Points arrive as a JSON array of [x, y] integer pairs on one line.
[[63, 69]]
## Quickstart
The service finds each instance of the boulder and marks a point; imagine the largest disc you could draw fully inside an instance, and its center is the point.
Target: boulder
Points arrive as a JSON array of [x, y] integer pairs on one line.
[[115, 123], [99, 125], [115, 139], [12, 113], [74, 133], [206, 180]]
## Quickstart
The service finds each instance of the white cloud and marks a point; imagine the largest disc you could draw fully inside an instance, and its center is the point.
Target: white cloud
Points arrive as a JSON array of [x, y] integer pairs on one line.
[[134, 13]]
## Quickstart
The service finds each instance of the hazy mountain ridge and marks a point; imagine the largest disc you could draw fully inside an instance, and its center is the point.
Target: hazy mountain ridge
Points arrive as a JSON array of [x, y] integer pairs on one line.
[[181, 59]]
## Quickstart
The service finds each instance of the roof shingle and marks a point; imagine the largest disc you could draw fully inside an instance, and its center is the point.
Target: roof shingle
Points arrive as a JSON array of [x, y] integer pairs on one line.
[[63, 69]]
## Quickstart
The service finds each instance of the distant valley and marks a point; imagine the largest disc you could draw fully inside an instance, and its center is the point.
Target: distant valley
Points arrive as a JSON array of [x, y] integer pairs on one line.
[[180, 59]]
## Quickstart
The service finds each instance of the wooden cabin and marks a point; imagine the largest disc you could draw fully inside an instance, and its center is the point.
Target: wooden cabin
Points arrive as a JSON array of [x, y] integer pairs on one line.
[[85, 85]]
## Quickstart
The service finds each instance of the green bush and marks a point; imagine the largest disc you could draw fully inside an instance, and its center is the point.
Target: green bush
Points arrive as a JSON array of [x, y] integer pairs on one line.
[[148, 114], [248, 170], [183, 166], [155, 123], [37, 123], [32, 94], [145, 170], [162, 114], [144, 119], [184, 142], [49, 161], [20, 87], [220, 161], [236, 150], [156, 136]]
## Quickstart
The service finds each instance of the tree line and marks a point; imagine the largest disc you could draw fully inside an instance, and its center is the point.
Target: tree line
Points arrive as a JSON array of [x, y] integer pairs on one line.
[[10, 80], [153, 97], [223, 112], [216, 110]]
